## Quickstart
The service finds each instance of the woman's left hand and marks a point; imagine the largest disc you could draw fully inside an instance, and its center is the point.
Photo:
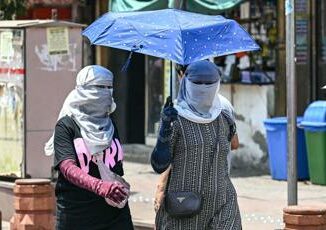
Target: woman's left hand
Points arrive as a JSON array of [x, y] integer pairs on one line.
[[169, 113]]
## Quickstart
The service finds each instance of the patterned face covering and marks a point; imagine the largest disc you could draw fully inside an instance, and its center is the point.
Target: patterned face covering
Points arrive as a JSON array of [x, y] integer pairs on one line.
[[197, 99], [90, 104]]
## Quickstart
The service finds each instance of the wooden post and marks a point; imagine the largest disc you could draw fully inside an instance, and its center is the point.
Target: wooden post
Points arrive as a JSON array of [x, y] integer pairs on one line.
[[280, 82], [101, 53]]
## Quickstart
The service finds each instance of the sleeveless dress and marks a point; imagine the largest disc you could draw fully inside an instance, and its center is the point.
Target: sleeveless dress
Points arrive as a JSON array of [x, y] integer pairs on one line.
[[199, 164]]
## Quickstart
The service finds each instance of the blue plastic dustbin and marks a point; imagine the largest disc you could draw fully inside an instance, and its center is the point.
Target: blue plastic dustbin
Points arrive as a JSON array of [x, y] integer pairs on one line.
[[314, 124], [276, 129]]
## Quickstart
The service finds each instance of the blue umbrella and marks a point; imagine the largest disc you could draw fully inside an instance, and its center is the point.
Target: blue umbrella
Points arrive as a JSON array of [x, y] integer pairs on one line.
[[176, 35]]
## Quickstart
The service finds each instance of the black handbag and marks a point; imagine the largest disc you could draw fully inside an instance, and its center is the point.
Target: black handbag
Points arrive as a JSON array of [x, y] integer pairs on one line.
[[183, 204]]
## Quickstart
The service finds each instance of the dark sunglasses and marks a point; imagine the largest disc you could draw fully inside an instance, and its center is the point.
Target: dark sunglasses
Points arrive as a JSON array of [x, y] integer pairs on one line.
[[103, 86], [202, 83]]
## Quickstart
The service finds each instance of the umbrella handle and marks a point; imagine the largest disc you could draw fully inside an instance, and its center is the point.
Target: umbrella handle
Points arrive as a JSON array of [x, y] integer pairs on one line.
[[168, 102], [171, 88]]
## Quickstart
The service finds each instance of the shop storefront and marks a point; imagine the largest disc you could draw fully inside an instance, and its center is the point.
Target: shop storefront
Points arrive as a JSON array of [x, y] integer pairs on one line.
[[320, 49]]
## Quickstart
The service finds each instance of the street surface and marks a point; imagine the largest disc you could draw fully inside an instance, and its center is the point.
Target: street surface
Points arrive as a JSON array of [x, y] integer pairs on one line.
[[261, 199]]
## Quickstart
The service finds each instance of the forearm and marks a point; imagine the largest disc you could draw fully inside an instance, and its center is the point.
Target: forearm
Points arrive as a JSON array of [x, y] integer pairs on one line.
[[160, 159], [235, 142], [78, 177], [161, 156]]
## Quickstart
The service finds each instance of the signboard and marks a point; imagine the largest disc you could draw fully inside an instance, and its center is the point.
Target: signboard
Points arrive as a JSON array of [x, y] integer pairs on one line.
[[6, 50], [323, 51], [302, 31], [58, 40]]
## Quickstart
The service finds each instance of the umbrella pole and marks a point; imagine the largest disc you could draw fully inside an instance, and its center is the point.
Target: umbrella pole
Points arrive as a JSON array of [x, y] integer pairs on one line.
[[171, 88]]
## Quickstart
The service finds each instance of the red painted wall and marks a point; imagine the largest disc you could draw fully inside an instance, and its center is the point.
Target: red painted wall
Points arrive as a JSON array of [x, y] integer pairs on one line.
[[63, 13]]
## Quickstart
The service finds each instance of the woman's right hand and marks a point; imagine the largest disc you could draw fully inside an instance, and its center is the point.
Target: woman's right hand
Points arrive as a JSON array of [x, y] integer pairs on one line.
[[114, 191]]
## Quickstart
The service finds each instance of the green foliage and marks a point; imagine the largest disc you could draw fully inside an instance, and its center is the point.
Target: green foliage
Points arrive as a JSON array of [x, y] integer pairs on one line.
[[9, 9]]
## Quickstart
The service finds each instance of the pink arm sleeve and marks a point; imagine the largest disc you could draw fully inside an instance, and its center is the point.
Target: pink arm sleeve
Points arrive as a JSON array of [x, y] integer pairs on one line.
[[78, 177]]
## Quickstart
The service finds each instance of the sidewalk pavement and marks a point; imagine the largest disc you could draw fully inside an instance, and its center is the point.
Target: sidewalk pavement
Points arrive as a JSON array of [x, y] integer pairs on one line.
[[260, 198]]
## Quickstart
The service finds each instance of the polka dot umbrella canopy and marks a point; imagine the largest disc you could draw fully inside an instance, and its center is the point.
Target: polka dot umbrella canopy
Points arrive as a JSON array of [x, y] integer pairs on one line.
[[172, 34]]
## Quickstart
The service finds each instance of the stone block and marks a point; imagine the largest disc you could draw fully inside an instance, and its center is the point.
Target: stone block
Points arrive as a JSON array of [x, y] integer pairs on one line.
[[33, 203], [306, 227], [304, 219]]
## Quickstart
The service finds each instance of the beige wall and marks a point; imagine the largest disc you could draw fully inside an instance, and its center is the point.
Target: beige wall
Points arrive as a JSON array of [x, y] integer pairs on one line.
[[49, 79]]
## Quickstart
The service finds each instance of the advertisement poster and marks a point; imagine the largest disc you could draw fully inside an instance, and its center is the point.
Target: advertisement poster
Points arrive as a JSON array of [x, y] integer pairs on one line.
[[11, 102], [58, 40], [302, 31], [6, 50]]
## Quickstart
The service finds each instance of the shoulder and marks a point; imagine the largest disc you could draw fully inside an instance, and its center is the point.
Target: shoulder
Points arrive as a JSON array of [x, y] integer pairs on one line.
[[65, 121], [116, 132], [67, 125], [114, 124], [225, 103], [226, 106]]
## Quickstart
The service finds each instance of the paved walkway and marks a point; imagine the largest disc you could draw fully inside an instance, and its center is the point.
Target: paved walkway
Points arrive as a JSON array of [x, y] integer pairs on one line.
[[261, 199]]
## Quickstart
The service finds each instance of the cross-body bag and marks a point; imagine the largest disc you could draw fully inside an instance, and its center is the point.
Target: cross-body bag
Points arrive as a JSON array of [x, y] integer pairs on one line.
[[182, 204]]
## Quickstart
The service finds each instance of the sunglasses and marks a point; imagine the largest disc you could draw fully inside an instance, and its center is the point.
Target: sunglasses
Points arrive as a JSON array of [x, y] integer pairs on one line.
[[103, 86], [203, 83]]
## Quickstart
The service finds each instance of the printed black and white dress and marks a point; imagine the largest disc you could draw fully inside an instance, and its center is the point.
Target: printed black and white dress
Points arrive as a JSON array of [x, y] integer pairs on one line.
[[200, 164]]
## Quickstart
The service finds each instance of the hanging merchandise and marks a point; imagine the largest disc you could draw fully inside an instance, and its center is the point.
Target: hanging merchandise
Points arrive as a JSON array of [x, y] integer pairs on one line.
[[259, 18], [136, 5], [198, 6], [211, 6]]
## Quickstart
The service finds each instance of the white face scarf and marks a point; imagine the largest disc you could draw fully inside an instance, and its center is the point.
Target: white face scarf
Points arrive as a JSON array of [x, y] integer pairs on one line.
[[198, 99], [90, 105]]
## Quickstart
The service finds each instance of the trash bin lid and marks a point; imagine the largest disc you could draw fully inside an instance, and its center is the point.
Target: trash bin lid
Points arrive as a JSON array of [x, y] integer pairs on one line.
[[315, 117], [280, 120]]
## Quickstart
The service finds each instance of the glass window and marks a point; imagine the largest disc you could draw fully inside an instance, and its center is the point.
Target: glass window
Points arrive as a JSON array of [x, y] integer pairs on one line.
[[11, 102], [154, 94]]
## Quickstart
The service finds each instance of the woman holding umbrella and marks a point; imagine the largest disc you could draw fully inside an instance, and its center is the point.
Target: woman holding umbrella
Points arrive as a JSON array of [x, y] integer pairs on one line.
[[85, 138], [195, 140]]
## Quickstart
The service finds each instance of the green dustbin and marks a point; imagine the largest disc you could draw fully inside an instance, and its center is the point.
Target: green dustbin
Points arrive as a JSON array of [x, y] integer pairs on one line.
[[314, 124]]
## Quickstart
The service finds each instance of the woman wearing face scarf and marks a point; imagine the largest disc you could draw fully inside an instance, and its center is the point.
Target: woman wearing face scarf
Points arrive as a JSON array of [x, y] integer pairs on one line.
[[197, 132], [84, 138]]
